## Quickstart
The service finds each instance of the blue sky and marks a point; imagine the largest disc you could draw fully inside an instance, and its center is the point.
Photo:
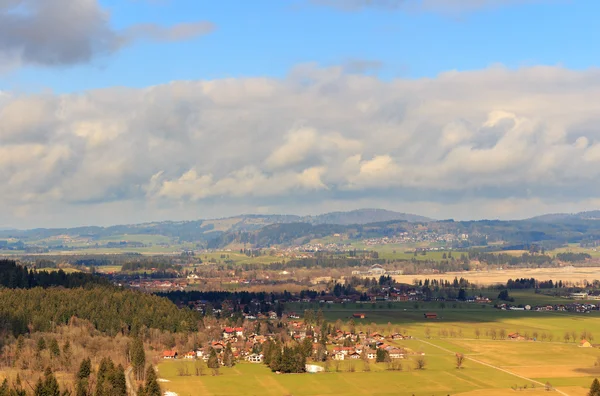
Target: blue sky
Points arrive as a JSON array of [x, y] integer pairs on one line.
[[124, 111], [268, 38]]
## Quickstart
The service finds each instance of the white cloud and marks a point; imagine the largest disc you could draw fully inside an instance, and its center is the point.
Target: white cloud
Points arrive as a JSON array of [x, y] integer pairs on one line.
[[67, 32], [316, 140]]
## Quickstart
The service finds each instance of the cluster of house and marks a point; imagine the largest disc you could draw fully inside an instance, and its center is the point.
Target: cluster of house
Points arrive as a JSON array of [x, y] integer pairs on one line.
[[346, 344], [416, 236], [241, 347], [365, 345], [585, 295], [164, 285], [519, 337], [575, 307], [375, 271]]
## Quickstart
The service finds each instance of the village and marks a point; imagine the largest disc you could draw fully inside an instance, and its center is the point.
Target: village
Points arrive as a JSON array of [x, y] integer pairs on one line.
[[331, 343]]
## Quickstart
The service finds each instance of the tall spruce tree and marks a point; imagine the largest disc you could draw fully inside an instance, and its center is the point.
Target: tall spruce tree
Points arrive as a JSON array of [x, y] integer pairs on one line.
[[4, 390], [102, 378], [54, 348], [82, 378], [47, 387], [595, 388], [119, 383], [152, 387], [228, 358], [276, 359], [41, 344], [138, 358], [213, 360]]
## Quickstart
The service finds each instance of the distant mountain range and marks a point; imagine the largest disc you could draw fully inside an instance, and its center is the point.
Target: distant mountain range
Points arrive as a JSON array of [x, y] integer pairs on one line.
[[357, 225], [561, 217], [195, 230], [363, 216]]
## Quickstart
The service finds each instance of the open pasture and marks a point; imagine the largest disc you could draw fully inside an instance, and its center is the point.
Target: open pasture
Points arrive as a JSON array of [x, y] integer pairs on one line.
[[491, 366], [491, 277]]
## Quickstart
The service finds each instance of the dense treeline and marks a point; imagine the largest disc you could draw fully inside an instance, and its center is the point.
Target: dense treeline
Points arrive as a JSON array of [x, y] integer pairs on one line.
[[109, 309], [148, 265], [286, 359], [242, 297], [573, 257], [532, 283], [509, 259], [14, 276]]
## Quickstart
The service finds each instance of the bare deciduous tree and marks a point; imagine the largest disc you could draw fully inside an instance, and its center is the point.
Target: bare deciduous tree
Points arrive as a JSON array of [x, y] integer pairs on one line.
[[459, 360]]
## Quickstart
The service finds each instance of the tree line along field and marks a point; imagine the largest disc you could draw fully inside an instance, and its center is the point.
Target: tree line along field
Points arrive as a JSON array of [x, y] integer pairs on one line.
[[490, 367]]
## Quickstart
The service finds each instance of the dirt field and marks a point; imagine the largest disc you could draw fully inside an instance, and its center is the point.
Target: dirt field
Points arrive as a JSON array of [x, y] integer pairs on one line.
[[501, 276]]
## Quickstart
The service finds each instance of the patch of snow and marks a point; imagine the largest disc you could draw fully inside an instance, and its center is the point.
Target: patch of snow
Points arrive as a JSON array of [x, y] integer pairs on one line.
[[169, 393], [163, 380]]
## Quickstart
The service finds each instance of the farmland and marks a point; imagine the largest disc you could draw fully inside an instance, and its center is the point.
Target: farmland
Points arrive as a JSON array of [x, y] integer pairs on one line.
[[484, 278], [492, 366]]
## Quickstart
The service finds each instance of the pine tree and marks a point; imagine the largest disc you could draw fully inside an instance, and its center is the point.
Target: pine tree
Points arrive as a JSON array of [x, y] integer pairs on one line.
[[152, 387], [382, 355], [276, 359], [47, 387], [266, 350], [4, 391], [82, 378], [138, 358], [20, 343], [39, 388], [118, 382], [102, 378], [51, 385], [213, 360], [41, 345], [228, 358], [307, 347], [85, 369], [81, 389], [67, 354], [595, 388], [54, 348]]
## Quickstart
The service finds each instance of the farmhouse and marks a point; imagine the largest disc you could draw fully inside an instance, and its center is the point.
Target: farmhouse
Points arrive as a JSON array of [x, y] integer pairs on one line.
[[396, 353], [190, 355], [515, 336], [376, 270], [229, 332], [579, 296], [430, 315], [254, 358], [359, 315], [170, 355], [585, 344]]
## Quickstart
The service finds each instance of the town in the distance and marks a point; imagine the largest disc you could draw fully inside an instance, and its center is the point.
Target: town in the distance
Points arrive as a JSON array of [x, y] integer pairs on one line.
[[215, 304]]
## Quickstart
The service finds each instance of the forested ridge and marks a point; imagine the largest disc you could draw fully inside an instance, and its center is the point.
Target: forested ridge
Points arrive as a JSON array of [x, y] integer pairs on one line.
[[14, 276], [30, 303]]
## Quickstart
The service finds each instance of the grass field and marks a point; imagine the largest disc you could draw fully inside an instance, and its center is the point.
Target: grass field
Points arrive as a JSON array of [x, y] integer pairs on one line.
[[142, 238], [491, 367], [573, 274], [238, 258]]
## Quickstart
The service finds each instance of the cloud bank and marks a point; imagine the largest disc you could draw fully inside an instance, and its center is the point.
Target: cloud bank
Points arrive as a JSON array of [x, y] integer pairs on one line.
[[68, 32], [486, 143]]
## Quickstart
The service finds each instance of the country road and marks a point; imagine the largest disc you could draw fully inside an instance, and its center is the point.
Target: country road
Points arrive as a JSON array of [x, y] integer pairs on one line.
[[131, 389], [492, 366]]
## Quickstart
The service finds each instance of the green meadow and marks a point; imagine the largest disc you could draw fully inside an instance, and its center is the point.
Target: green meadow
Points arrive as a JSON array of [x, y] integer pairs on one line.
[[491, 366]]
